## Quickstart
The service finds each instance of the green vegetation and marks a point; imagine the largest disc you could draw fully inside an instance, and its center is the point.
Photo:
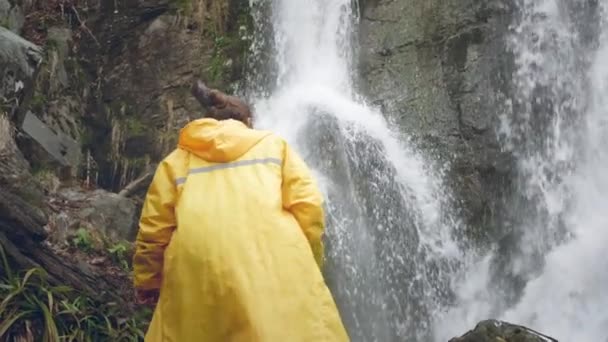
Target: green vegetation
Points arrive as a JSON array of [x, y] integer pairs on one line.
[[119, 254], [82, 240], [135, 127], [217, 67], [31, 309], [182, 6], [38, 102]]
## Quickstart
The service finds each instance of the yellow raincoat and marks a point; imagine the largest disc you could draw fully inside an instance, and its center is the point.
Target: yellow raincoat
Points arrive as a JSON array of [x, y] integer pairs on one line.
[[230, 231]]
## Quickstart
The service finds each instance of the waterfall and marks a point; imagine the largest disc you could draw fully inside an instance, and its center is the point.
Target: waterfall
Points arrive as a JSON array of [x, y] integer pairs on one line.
[[568, 298], [389, 244], [557, 128], [395, 268]]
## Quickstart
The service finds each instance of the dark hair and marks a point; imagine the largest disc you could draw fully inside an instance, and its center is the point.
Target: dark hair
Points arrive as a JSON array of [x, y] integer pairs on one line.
[[225, 107], [221, 106]]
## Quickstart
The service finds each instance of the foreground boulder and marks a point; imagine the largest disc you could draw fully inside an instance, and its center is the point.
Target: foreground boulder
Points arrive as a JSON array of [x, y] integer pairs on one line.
[[497, 331], [108, 214]]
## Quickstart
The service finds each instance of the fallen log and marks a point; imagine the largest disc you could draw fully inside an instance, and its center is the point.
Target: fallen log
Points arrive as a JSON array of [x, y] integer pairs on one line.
[[22, 237]]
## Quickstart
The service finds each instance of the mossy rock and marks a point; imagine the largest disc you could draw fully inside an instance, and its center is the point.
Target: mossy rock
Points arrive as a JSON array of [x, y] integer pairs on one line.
[[497, 331]]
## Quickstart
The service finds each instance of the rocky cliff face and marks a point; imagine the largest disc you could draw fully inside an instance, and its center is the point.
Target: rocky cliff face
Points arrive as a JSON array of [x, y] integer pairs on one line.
[[92, 95], [111, 90], [441, 70]]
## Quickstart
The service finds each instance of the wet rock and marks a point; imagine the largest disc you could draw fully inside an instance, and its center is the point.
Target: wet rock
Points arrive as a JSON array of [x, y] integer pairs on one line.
[[441, 71], [497, 331]]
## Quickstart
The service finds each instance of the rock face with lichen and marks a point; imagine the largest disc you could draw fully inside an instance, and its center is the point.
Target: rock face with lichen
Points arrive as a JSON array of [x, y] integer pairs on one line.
[[497, 331], [441, 69]]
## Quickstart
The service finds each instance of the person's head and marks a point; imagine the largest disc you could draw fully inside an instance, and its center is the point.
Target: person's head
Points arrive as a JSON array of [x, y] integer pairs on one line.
[[222, 106]]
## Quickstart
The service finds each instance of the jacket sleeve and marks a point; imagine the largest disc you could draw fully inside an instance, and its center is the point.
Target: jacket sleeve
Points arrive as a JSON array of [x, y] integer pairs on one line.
[[156, 226], [303, 199]]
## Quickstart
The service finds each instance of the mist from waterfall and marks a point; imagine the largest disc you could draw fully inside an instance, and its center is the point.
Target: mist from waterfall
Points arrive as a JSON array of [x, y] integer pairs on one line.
[[389, 245], [394, 266], [557, 127]]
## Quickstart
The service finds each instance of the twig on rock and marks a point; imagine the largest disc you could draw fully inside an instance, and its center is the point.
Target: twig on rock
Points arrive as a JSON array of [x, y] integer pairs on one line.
[[83, 26]]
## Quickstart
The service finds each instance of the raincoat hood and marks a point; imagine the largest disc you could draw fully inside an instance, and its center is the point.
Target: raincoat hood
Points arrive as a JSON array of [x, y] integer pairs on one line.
[[219, 141]]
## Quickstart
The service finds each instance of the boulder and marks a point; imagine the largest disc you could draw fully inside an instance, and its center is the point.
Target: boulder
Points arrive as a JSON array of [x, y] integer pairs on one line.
[[19, 60], [497, 331], [17, 54], [15, 175], [61, 149], [102, 213]]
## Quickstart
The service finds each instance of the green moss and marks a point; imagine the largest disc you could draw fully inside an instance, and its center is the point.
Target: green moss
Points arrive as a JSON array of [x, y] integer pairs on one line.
[[38, 102], [217, 66], [78, 79], [181, 6], [135, 127], [51, 45], [87, 137], [40, 169]]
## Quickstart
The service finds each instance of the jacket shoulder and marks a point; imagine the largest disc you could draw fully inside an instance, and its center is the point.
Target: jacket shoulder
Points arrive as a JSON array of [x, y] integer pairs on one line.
[[175, 163], [178, 155], [274, 144]]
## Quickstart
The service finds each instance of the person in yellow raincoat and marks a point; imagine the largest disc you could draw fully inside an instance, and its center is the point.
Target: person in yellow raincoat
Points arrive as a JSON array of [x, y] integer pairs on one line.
[[229, 244]]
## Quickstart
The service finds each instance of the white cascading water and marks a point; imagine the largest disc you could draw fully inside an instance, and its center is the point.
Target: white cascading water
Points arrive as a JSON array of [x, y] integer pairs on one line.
[[388, 239], [394, 268], [569, 298], [558, 129]]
